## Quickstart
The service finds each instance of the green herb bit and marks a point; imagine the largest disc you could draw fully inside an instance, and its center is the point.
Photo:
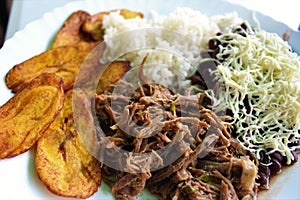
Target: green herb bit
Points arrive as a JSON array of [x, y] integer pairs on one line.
[[173, 107], [207, 178], [187, 189]]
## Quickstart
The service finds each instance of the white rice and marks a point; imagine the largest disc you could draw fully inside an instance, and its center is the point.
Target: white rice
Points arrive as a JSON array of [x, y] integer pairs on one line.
[[173, 43]]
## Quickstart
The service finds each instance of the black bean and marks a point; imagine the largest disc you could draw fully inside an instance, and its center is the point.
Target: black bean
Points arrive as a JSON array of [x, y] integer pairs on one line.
[[240, 31], [284, 160], [204, 54], [277, 156], [219, 33], [295, 155], [264, 169], [296, 143], [263, 181], [225, 56], [244, 26], [214, 53], [213, 44], [230, 113], [264, 158], [275, 167], [204, 71], [242, 34], [206, 66], [196, 79]]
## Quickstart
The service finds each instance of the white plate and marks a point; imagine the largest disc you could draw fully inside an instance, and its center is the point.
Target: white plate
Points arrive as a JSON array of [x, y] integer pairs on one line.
[[18, 179]]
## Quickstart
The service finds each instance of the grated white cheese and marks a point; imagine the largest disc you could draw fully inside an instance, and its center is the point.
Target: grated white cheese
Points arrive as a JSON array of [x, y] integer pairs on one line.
[[262, 70]]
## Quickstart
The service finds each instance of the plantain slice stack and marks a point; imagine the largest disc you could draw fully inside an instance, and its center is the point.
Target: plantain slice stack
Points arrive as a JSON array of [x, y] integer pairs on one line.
[[27, 115], [62, 161], [41, 111], [72, 45]]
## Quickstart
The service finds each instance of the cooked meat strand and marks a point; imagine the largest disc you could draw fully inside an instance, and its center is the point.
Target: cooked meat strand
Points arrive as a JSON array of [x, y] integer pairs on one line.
[[129, 185]]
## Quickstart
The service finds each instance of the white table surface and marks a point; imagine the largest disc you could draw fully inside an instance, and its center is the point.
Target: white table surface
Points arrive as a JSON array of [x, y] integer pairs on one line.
[[25, 11]]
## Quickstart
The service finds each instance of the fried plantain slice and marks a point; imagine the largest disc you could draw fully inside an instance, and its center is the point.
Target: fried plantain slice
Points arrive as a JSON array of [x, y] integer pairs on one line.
[[112, 74], [27, 115], [63, 61], [62, 162], [93, 26], [70, 33]]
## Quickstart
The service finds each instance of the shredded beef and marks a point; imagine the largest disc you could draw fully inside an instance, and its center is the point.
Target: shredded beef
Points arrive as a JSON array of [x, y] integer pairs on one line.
[[154, 121]]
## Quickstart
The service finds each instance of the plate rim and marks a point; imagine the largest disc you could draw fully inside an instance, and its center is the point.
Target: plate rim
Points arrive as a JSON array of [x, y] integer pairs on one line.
[[9, 43]]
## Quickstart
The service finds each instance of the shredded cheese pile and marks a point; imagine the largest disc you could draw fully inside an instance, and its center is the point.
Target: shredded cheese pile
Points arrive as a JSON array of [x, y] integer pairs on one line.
[[261, 77]]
